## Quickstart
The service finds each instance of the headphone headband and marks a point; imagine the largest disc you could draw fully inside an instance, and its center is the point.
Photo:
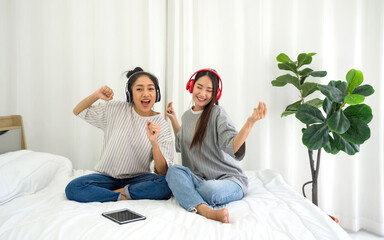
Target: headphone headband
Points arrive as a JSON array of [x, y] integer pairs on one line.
[[191, 82]]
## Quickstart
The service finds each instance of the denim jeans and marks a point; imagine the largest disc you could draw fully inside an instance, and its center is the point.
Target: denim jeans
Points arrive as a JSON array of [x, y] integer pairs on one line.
[[99, 188], [191, 191]]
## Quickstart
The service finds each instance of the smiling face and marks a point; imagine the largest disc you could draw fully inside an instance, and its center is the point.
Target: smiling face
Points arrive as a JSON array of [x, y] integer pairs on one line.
[[144, 95], [202, 92]]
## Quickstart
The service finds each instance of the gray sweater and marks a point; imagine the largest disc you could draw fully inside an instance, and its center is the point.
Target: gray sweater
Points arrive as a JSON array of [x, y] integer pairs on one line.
[[216, 159]]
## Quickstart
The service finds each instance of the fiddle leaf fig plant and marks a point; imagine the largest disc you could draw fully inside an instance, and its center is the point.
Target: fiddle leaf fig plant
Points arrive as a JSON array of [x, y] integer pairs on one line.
[[339, 122]]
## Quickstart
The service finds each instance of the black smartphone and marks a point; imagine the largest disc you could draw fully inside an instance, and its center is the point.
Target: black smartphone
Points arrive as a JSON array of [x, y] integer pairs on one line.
[[122, 216]]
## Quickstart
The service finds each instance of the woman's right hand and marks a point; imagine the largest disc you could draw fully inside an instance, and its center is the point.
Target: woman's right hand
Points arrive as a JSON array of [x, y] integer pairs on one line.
[[170, 112], [104, 93]]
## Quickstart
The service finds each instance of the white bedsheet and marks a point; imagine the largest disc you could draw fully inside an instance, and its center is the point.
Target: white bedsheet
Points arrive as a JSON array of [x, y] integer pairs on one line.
[[270, 210]]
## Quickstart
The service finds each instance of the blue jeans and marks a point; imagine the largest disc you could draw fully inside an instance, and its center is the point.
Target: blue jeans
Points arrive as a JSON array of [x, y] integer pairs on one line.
[[99, 188], [191, 191]]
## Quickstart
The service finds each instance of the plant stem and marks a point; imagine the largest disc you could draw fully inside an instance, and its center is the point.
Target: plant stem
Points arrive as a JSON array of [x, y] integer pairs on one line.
[[301, 91], [341, 107], [314, 174]]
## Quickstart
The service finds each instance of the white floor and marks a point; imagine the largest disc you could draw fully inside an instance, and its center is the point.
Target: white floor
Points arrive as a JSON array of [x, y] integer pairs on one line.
[[363, 235]]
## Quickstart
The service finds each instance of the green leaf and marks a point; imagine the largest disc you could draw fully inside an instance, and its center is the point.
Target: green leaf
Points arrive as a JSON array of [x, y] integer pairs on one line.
[[354, 79], [335, 91], [288, 66], [354, 99], [302, 79], [365, 90], [284, 79], [358, 132], [328, 106], [341, 85], [309, 72], [315, 102], [309, 114], [330, 147], [350, 75], [316, 136], [311, 54], [334, 94], [318, 73], [291, 109], [344, 145], [278, 83], [305, 72], [303, 59], [338, 122], [361, 111], [308, 88], [282, 57]]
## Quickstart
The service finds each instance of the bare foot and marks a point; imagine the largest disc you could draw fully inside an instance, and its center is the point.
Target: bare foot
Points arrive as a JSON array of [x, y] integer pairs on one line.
[[121, 190], [220, 215]]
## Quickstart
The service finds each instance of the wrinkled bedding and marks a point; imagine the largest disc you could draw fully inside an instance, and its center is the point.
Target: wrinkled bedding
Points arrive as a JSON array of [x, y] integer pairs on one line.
[[270, 210]]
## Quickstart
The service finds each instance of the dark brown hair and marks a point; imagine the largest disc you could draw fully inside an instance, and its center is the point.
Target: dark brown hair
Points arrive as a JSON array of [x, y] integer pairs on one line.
[[201, 126], [133, 75], [138, 72]]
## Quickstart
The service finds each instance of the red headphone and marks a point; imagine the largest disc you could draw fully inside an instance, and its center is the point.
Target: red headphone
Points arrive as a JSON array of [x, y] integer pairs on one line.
[[191, 82]]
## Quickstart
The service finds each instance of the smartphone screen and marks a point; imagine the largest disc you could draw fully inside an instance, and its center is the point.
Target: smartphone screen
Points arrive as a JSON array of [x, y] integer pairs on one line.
[[122, 216]]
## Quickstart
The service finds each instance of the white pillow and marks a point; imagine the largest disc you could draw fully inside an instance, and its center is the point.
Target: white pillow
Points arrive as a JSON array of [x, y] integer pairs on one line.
[[25, 172]]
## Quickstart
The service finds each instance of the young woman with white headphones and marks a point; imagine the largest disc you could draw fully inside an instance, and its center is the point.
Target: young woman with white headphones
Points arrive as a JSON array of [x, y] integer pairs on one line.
[[134, 135]]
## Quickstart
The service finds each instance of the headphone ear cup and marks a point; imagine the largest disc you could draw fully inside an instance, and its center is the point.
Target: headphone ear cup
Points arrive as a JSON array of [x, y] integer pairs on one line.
[[127, 93], [218, 94], [158, 96], [128, 96], [189, 86]]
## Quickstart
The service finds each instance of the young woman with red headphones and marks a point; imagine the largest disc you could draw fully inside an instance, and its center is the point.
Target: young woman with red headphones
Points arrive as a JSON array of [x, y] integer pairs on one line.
[[134, 136], [209, 145]]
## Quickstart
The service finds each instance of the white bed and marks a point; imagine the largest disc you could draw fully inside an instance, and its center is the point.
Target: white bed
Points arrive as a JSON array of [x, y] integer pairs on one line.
[[33, 206]]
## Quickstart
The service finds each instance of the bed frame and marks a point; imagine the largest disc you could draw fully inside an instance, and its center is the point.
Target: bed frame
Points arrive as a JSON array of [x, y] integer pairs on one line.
[[12, 135]]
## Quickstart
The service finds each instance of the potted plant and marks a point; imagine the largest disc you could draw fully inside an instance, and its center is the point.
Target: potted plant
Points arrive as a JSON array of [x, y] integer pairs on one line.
[[342, 125]]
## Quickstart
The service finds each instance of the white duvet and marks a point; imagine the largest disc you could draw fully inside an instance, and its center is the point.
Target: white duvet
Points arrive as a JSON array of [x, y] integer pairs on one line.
[[270, 210]]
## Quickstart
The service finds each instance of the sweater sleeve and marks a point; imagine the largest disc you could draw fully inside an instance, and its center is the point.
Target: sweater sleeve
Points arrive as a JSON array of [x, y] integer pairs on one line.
[[177, 141], [166, 143], [226, 133], [179, 135], [95, 115]]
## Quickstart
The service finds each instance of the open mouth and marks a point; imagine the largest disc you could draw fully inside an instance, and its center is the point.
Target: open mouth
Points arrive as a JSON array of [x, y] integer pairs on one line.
[[145, 103]]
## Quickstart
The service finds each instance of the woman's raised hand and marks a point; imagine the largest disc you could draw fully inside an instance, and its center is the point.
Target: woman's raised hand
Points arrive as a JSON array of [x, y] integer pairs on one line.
[[258, 113], [170, 112], [153, 131], [104, 93]]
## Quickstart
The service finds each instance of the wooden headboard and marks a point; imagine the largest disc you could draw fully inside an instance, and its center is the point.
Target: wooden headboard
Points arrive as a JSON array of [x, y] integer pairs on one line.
[[12, 136]]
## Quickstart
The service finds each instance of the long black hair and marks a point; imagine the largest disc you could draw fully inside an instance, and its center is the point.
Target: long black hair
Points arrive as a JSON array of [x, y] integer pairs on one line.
[[201, 126]]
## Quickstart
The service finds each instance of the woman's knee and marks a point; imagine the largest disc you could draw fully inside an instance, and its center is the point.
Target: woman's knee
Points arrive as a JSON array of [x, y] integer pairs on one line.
[[218, 192], [175, 172], [156, 188], [165, 191], [70, 190], [75, 187]]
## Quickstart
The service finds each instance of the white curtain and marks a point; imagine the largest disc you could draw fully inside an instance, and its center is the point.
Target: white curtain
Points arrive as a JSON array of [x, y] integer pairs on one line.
[[53, 53]]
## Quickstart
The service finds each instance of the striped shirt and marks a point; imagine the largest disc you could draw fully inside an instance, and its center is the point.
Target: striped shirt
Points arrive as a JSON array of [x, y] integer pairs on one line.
[[127, 151], [216, 159]]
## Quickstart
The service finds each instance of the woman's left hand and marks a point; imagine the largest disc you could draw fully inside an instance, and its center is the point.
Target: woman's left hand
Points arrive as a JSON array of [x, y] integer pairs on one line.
[[153, 131], [258, 113]]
